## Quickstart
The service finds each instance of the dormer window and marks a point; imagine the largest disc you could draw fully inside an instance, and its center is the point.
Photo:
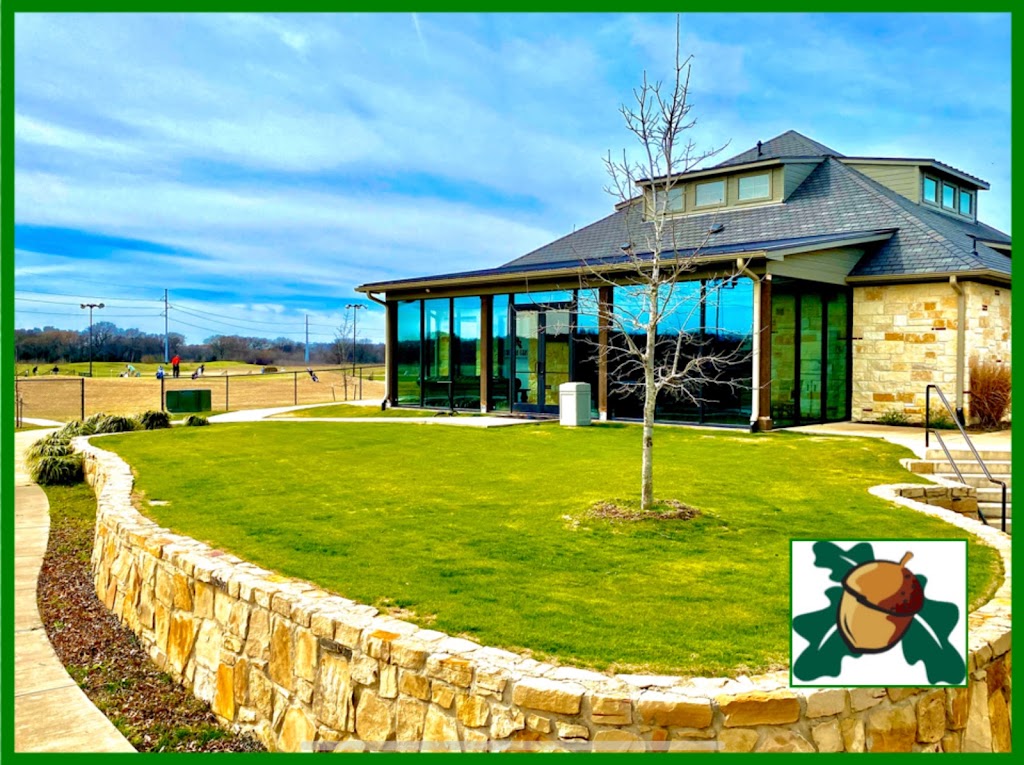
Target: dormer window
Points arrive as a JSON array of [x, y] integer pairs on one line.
[[948, 196], [966, 202], [931, 190], [658, 202], [753, 187], [711, 193]]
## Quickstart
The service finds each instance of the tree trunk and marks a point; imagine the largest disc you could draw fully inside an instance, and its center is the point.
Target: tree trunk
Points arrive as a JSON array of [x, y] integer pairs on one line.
[[650, 399]]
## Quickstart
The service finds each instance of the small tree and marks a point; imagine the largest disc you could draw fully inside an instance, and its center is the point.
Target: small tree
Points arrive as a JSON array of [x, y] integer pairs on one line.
[[342, 348], [659, 351]]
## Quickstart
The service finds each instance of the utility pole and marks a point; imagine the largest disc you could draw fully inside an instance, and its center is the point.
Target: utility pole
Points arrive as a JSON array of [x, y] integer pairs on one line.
[[355, 314], [167, 346], [90, 306], [307, 340]]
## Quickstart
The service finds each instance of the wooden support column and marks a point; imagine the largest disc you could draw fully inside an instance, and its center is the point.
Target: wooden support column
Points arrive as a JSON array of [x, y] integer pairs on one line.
[[604, 298], [486, 350], [764, 391], [391, 353]]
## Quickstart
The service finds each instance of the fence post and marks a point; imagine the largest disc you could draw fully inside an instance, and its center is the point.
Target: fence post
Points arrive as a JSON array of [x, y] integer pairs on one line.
[[360, 383], [83, 398], [296, 376], [163, 398], [227, 386]]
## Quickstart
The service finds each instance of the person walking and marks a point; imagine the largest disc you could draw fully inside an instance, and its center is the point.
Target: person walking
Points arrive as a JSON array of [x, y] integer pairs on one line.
[[176, 365]]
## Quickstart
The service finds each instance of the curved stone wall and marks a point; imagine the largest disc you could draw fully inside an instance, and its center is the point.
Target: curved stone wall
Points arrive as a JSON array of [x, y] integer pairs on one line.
[[304, 668]]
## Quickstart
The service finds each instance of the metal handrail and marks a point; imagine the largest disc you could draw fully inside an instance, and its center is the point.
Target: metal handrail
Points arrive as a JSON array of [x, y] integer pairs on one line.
[[967, 439]]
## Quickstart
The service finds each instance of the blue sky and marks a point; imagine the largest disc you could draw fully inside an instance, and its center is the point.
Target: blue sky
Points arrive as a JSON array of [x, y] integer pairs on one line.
[[260, 167]]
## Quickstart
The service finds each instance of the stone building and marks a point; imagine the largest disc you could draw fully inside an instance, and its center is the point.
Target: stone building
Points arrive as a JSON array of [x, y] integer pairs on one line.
[[839, 286]]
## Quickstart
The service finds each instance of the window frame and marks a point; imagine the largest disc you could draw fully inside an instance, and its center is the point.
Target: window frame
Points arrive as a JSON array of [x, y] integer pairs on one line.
[[722, 203], [739, 181], [934, 200], [954, 189], [651, 200], [969, 195]]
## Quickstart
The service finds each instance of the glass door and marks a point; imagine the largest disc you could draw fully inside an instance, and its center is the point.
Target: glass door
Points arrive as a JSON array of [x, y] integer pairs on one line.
[[542, 359]]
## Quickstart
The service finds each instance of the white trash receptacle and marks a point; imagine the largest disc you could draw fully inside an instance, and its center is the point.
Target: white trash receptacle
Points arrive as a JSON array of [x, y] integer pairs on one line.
[[574, 403]]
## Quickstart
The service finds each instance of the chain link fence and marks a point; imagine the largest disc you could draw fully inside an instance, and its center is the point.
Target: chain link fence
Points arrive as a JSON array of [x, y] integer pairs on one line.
[[68, 398]]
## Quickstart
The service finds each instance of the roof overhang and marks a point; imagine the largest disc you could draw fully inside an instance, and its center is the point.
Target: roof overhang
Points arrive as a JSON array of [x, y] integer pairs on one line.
[[708, 256], [942, 167], [981, 275]]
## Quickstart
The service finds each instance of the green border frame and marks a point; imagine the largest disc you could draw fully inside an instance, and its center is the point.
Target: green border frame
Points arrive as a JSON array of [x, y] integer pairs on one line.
[[966, 613]]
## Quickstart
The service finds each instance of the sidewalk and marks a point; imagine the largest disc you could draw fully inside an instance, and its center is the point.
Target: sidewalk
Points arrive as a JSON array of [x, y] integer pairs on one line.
[[257, 415], [912, 438], [51, 713]]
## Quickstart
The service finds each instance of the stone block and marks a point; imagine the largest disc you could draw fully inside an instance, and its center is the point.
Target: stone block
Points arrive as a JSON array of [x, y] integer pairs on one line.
[[224, 696], [203, 600], [951, 742], [296, 728], [738, 739], [853, 734], [409, 717], [332, 693], [281, 662], [375, 720], [618, 741], [865, 698], [305, 654], [388, 687], [182, 596], [442, 695], [413, 685], [180, 639], [759, 708], [957, 707], [538, 723], [505, 722], [257, 644], [891, 730], [931, 716], [999, 716], [827, 736], [439, 731], [548, 695], [450, 669], [408, 653], [365, 670], [978, 734], [781, 740], [608, 709], [572, 731], [472, 711], [826, 703]]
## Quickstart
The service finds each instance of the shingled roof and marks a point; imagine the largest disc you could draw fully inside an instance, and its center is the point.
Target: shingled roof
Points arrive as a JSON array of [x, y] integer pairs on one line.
[[789, 144], [834, 199]]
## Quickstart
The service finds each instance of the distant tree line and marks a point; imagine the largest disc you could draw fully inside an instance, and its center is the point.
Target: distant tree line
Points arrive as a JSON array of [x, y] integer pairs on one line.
[[50, 345]]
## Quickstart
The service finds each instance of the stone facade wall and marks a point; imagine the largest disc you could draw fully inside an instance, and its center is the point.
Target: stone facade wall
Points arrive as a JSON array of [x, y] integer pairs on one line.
[[988, 326], [904, 337], [297, 664]]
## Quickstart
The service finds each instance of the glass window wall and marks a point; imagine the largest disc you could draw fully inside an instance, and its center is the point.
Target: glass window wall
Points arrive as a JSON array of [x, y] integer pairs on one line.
[[407, 354], [466, 352], [437, 333]]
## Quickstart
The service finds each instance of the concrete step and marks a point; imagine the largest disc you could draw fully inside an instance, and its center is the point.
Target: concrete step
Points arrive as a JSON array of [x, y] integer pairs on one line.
[[994, 494], [995, 519], [997, 468], [965, 455], [977, 481]]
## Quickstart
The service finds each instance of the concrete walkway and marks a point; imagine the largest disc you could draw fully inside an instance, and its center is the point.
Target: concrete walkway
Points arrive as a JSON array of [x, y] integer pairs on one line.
[[51, 713], [912, 438], [257, 415]]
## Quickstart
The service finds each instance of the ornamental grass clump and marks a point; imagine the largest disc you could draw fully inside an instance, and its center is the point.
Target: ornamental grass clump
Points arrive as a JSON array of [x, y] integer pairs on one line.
[[154, 420], [990, 392], [52, 460], [116, 423], [77, 428], [195, 421]]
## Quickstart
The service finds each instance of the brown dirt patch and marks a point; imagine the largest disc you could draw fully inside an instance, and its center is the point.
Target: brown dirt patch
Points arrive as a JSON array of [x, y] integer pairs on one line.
[[664, 510]]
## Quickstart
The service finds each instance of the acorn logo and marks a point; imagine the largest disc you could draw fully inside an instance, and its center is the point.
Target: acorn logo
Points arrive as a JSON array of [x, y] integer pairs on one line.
[[877, 605]]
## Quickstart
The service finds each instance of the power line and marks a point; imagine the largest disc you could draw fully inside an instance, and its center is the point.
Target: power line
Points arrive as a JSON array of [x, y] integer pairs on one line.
[[90, 295], [79, 313]]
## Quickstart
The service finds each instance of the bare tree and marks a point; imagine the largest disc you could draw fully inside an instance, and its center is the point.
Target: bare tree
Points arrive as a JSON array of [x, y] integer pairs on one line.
[[342, 346], [659, 349]]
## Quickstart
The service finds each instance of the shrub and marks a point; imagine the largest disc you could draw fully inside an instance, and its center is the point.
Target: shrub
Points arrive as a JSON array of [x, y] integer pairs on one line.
[[941, 421], [77, 428], [195, 421], [894, 417], [154, 420], [53, 445], [55, 470], [93, 421], [990, 392], [116, 423]]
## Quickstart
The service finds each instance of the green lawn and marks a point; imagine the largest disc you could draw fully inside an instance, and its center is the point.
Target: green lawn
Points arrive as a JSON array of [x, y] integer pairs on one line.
[[485, 532], [349, 410]]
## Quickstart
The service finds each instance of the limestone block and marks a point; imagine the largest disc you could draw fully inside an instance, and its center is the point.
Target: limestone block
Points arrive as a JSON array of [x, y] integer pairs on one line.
[[891, 730], [759, 708], [931, 717], [609, 709], [548, 695], [180, 639], [281, 664], [951, 742], [505, 722], [261, 692], [827, 736], [853, 734], [826, 703], [182, 596], [332, 693], [296, 728], [865, 698], [208, 644], [409, 653], [898, 694], [305, 654], [241, 682], [238, 621], [999, 715], [365, 670], [978, 735], [388, 687], [410, 716], [472, 711], [257, 644], [413, 685], [203, 600], [439, 731], [617, 741], [378, 644], [375, 719], [538, 723], [737, 739], [442, 695], [781, 740], [450, 669], [568, 731], [224, 696], [957, 707]]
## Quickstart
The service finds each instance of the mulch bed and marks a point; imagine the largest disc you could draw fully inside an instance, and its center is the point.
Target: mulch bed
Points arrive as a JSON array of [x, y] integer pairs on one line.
[[107, 661], [664, 510]]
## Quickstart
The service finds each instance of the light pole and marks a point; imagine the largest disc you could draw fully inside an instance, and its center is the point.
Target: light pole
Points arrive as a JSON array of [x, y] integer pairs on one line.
[[90, 306], [355, 313]]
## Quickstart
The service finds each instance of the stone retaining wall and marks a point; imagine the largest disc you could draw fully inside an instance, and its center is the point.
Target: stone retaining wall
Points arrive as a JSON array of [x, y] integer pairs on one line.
[[297, 664]]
